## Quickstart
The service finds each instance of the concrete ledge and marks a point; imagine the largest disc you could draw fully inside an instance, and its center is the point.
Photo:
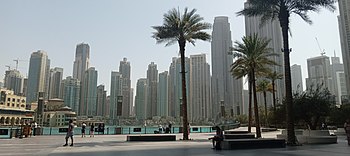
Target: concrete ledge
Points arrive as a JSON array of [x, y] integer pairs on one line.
[[268, 129], [236, 132], [312, 137], [151, 138], [239, 136], [253, 143]]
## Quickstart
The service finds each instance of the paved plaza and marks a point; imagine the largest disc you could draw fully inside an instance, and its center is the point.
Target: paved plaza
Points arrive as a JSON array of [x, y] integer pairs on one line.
[[111, 145]]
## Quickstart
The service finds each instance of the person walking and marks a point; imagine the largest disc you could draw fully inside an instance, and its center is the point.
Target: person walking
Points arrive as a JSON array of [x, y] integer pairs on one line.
[[92, 127], [70, 133], [347, 130], [83, 128]]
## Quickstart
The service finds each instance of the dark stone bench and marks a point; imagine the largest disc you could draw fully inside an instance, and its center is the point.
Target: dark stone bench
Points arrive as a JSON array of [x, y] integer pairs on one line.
[[239, 136], [253, 143], [151, 138], [236, 132], [268, 129]]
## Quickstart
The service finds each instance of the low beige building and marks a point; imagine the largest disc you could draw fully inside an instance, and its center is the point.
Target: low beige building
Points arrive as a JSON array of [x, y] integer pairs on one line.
[[56, 114], [13, 109]]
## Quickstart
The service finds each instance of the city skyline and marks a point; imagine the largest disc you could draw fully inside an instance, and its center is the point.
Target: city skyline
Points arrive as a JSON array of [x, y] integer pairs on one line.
[[98, 30]]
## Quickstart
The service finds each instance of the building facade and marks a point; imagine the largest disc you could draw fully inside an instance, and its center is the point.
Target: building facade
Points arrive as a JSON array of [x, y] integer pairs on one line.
[[101, 100], [88, 98], [338, 79], [38, 76], [152, 82], [116, 90], [13, 109], [125, 69], [344, 31], [297, 80], [71, 93], [271, 30], [141, 99], [226, 91], [319, 73], [82, 61], [199, 95], [56, 75], [14, 81], [162, 101]]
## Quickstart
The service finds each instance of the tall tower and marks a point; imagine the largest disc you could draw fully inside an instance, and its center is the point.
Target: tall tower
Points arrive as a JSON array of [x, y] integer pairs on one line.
[[56, 75], [116, 90], [101, 100], [71, 93], [344, 29], [199, 108], [124, 69], [338, 79], [82, 60], [162, 102], [38, 76], [297, 80], [152, 81], [319, 73], [226, 91], [14, 81], [175, 86], [271, 30], [141, 99], [88, 93]]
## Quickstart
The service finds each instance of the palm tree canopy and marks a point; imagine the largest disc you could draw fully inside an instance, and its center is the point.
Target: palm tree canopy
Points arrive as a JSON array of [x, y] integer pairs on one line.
[[273, 76], [253, 53], [176, 27], [271, 9], [264, 86]]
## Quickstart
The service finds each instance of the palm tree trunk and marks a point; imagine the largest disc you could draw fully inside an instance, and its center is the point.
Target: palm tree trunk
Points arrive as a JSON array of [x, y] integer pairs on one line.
[[273, 96], [182, 44], [284, 22], [256, 109], [250, 104], [265, 103]]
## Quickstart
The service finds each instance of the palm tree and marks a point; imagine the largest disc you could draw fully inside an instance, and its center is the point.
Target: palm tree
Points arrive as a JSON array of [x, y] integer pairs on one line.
[[252, 57], [181, 28], [282, 9], [264, 86], [273, 76]]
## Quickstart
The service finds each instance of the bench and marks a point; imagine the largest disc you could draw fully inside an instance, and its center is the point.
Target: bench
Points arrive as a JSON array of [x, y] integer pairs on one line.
[[312, 136], [236, 132], [239, 136], [253, 143], [151, 137]]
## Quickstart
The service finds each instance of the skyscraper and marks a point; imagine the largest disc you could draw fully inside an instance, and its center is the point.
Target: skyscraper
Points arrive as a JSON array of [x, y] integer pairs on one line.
[[338, 79], [124, 69], [297, 80], [71, 93], [116, 90], [141, 99], [56, 75], [199, 96], [38, 76], [101, 100], [175, 86], [152, 81], [88, 98], [82, 60], [226, 91], [344, 29], [319, 73], [162, 102], [271, 30], [14, 81]]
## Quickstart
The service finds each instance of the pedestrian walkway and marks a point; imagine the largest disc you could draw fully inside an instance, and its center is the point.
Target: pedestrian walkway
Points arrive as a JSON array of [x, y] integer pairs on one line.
[[108, 145]]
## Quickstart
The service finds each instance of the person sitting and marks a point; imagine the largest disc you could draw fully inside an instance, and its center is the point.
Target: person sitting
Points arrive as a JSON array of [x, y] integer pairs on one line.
[[219, 136]]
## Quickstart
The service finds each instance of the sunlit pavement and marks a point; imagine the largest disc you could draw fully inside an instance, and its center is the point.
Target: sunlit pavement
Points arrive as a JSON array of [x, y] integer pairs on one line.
[[108, 145]]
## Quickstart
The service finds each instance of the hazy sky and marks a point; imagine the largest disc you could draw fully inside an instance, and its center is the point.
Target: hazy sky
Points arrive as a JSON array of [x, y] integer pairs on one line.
[[122, 28]]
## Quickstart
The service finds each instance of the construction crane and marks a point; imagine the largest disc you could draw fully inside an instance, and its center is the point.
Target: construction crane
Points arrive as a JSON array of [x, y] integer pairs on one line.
[[319, 47], [17, 60], [8, 67]]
